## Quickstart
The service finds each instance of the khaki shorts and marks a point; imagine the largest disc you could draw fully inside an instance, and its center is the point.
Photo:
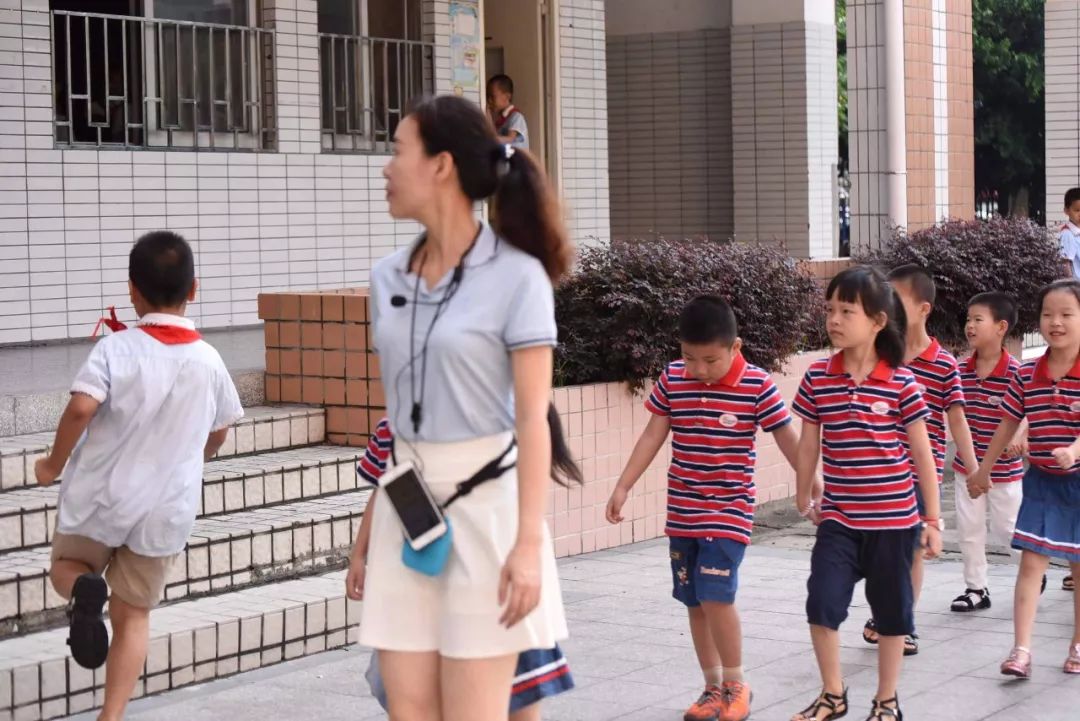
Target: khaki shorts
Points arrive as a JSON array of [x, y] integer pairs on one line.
[[137, 580]]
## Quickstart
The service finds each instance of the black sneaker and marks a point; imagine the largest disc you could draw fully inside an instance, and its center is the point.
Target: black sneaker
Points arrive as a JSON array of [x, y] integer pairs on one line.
[[971, 600], [87, 635]]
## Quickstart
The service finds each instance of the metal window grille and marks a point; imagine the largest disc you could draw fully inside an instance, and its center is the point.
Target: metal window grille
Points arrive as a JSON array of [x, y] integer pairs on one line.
[[134, 82], [366, 84]]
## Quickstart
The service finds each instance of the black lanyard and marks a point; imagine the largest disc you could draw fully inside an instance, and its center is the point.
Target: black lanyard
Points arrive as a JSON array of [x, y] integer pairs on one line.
[[417, 413], [491, 471]]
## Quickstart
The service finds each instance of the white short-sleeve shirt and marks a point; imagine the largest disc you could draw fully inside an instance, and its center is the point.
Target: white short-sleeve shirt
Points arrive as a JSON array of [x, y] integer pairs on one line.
[[1070, 246], [135, 478]]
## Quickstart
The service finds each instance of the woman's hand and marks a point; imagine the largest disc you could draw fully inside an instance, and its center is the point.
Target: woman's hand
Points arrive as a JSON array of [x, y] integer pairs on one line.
[[519, 583], [354, 579]]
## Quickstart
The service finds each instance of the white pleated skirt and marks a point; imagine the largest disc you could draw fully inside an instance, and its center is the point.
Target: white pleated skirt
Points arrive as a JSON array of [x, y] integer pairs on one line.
[[457, 613]]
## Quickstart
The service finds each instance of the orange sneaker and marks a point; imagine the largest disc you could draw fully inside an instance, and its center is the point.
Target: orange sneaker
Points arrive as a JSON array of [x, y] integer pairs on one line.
[[709, 706], [737, 697]]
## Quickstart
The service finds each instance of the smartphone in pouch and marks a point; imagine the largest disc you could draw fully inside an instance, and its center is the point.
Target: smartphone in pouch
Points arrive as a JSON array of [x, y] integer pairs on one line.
[[419, 514]]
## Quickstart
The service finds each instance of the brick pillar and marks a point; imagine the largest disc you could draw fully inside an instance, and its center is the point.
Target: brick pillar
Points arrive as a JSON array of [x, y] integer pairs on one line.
[[938, 167], [784, 124], [1062, 104]]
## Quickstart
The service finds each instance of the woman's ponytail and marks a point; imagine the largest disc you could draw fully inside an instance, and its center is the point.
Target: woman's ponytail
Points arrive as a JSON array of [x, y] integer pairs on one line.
[[526, 211], [563, 467]]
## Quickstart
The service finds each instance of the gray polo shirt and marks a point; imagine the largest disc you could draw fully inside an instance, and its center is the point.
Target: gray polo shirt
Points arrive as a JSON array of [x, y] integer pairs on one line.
[[504, 302]]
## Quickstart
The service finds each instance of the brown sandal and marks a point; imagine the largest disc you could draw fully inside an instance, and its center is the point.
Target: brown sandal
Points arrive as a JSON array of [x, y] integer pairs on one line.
[[837, 706]]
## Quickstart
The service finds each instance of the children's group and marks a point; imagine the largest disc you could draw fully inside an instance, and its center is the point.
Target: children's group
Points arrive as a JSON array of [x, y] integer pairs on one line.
[[869, 462]]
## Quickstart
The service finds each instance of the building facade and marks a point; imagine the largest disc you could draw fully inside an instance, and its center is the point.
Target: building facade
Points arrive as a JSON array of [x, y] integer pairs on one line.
[[259, 128]]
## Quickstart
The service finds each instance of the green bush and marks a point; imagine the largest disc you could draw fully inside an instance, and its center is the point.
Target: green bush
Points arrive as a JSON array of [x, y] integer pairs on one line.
[[968, 257], [618, 313]]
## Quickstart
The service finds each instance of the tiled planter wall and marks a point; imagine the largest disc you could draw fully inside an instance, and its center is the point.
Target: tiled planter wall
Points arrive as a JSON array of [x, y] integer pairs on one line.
[[318, 352]]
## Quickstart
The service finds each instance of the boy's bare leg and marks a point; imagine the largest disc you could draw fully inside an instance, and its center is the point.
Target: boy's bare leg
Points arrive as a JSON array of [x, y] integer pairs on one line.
[[725, 629], [708, 655], [63, 575], [127, 656], [827, 650], [890, 659], [1075, 569]]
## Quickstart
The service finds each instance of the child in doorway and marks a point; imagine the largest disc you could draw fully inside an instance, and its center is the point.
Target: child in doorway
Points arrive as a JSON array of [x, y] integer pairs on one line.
[[541, 673], [938, 376], [1047, 393], [986, 375], [864, 414], [148, 407], [1070, 233], [509, 121], [713, 402]]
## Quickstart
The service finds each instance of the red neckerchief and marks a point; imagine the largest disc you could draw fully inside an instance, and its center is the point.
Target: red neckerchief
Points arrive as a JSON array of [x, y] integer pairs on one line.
[[510, 110], [167, 334]]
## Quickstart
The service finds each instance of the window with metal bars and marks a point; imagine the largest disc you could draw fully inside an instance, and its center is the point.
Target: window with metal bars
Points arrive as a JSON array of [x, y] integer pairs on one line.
[[194, 74], [372, 62]]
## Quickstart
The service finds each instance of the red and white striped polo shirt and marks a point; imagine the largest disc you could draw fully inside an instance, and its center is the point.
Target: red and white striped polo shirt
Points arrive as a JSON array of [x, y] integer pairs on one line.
[[983, 400], [864, 459], [1052, 409], [938, 375], [710, 481]]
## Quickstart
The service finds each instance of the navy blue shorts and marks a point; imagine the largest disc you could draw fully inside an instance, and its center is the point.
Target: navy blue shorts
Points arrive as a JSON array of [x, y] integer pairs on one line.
[[842, 557], [705, 569]]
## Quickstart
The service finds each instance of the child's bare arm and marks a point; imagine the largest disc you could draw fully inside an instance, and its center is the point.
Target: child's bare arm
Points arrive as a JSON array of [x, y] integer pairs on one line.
[[1004, 434], [77, 416], [787, 440], [214, 442], [961, 435], [645, 450], [922, 457], [806, 461]]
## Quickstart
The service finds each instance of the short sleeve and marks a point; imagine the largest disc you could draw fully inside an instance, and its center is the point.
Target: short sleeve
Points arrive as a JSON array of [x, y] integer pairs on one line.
[[659, 402], [911, 404], [772, 413], [516, 122], [1068, 244], [94, 378], [805, 403], [227, 400], [1012, 403], [954, 387], [373, 464], [531, 318]]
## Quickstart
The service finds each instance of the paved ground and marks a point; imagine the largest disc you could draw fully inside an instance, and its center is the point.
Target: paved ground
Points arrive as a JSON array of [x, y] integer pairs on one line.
[[631, 655]]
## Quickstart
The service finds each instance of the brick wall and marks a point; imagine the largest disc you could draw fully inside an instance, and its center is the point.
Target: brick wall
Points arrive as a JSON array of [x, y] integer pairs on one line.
[[669, 124], [1062, 104], [318, 352], [961, 109]]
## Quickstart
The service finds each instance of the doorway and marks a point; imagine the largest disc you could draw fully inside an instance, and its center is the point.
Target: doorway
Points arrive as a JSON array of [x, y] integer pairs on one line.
[[521, 40]]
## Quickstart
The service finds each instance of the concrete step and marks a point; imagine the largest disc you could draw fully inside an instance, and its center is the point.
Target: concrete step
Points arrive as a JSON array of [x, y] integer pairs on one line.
[[34, 380], [190, 642], [223, 553], [28, 515], [263, 428]]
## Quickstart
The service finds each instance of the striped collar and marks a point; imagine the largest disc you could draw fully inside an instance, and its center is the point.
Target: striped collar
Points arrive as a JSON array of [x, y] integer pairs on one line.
[[882, 371], [1041, 374], [1000, 370]]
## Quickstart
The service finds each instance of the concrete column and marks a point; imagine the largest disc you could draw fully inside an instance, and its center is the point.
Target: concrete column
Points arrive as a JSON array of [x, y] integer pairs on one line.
[[911, 115], [784, 124], [1062, 104]]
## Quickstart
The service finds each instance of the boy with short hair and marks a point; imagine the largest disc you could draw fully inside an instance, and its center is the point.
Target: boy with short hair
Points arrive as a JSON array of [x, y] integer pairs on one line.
[[713, 402], [509, 121], [985, 377], [148, 407], [1070, 233], [938, 375]]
